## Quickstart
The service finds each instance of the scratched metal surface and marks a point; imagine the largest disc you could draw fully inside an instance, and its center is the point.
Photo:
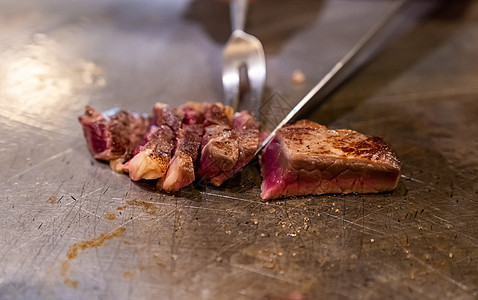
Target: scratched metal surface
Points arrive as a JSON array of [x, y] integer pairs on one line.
[[72, 229]]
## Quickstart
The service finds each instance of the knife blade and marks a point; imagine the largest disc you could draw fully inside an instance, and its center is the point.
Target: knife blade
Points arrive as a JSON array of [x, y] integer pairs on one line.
[[362, 51]]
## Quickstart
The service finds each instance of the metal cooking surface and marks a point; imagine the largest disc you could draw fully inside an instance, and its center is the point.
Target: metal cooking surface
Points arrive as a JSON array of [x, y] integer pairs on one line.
[[72, 229]]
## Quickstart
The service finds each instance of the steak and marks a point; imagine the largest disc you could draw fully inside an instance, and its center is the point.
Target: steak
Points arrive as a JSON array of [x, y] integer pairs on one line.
[[246, 133], [181, 168], [219, 149], [152, 158], [227, 145], [307, 158], [163, 114], [113, 134]]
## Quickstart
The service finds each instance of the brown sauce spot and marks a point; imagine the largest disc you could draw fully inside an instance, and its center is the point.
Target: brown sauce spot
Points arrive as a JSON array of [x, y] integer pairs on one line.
[[128, 274], [76, 248], [52, 200], [146, 206], [121, 207], [110, 216]]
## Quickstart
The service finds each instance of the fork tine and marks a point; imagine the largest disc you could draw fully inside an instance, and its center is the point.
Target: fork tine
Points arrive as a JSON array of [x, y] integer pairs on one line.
[[243, 50], [256, 72], [230, 81]]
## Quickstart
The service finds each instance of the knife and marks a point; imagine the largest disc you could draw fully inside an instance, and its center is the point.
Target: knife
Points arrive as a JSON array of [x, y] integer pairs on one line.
[[365, 48]]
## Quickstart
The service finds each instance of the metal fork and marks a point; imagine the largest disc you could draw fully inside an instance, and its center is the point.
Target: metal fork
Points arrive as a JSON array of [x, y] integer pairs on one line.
[[243, 51]]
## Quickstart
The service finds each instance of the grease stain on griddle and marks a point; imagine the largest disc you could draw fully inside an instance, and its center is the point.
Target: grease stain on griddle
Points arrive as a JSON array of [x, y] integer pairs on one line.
[[146, 206], [52, 199], [128, 274], [76, 248], [110, 216]]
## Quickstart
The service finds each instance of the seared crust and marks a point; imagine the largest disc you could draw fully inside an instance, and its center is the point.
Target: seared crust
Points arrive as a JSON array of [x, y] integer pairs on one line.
[[307, 158], [113, 134], [305, 142]]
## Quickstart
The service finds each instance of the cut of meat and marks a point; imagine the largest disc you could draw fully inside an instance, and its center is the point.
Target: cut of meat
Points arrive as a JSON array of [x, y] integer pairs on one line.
[[181, 168], [246, 133], [151, 160], [227, 145], [307, 158], [210, 142], [163, 114], [113, 134], [219, 150], [217, 114]]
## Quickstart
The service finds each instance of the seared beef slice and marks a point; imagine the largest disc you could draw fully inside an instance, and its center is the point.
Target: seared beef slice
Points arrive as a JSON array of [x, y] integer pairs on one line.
[[246, 133], [113, 134], [152, 158], [219, 151], [228, 144], [307, 158], [181, 168]]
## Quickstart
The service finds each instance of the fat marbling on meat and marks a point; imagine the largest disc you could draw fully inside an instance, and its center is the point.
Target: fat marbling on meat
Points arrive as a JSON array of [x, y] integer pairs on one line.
[[307, 158]]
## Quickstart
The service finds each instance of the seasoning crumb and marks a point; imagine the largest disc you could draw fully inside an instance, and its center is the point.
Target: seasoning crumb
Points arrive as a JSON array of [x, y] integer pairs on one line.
[[298, 77], [372, 241]]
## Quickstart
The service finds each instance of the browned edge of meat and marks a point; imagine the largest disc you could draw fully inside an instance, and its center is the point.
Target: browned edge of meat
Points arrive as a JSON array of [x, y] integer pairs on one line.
[[181, 167], [152, 159], [219, 148], [246, 130], [307, 158], [113, 134]]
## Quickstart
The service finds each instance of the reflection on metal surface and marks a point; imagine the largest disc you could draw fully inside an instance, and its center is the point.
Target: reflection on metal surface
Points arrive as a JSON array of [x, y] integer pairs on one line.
[[39, 80], [33, 81], [92, 74]]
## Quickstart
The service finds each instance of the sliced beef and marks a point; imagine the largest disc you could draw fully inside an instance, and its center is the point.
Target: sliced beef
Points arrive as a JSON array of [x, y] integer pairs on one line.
[[163, 114], [151, 160], [181, 168], [307, 158], [246, 134], [217, 114], [227, 145], [217, 148], [113, 134]]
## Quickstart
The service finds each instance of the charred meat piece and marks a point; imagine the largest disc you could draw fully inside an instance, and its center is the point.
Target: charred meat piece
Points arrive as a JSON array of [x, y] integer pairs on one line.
[[218, 150], [246, 133], [163, 114], [217, 114], [181, 168], [152, 158], [113, 134], [307, 158], [227, 145]]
